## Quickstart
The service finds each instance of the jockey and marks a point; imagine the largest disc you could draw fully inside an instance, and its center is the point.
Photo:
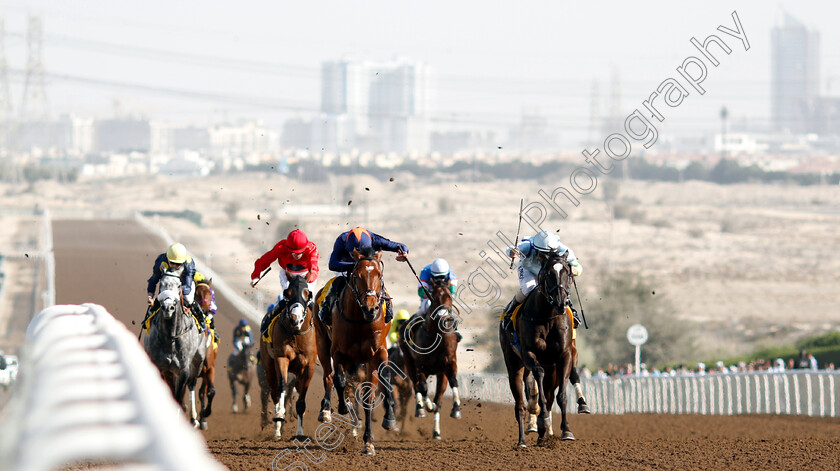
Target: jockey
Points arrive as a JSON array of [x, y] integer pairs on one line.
[[530, 251], [341, 262], [176, 261], [200, 278], [394, 333], [297, 256], [437, 271], [241, 336]]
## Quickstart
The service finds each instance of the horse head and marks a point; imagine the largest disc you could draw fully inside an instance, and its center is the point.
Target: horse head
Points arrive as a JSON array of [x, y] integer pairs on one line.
[[366, 281], [441, 314], [299, 299], [170, 295], [554, 278]]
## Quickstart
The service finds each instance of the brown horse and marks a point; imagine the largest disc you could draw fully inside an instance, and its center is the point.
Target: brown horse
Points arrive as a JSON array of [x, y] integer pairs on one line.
[[293, 348], [546, 346], [428, 343], [358, 337], [204, 296], [241, 367], [265, 395]]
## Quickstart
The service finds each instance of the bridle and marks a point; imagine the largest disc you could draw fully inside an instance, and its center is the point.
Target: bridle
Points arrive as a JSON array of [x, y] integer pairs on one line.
[[453, 309], [359, 295], [287, 315], [183, 310], [550, 295]]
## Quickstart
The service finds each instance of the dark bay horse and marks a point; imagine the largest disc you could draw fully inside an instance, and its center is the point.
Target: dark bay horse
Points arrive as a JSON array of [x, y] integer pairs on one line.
[[175, 345], [428, 344], [358, 337], [546, 346], [293, 348], [241, 367], [207, 391]]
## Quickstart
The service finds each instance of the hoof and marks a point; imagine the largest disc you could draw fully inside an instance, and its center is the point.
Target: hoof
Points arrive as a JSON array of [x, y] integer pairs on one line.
[[532, 424], [584, 409], [420, 412], [279, 419], [325, 416], [369, 450], [343, 409], [203, 425], [455, 414], [235, 409], [521, 445], [567, 436], [436, 435], [195, 423], [390, 425]]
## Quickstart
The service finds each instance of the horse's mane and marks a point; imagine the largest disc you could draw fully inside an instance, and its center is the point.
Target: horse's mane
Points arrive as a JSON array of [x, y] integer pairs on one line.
[[367, 252]]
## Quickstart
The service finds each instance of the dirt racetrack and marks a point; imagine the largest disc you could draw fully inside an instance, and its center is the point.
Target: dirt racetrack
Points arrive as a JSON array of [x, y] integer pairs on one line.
[[108, 262]]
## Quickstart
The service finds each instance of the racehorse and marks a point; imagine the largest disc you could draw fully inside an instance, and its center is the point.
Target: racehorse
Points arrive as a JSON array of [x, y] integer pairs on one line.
[[207, 391], [429, 345], [240, 369], [358, 337], [175, 344], [546, 346], [294, 349]]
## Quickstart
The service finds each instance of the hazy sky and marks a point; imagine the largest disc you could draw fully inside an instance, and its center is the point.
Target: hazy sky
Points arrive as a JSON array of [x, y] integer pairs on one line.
[[491, 59]]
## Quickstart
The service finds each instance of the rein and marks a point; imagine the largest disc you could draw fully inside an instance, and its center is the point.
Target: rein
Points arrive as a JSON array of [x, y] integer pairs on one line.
[[550, 297], [288, 329], [357, 295]]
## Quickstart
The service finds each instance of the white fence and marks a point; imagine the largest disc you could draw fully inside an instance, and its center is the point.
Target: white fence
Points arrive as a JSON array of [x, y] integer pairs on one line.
[[88, 392], [796, 392]]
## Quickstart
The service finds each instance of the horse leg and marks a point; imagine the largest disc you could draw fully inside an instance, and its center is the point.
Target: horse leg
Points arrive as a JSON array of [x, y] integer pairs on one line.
[[340, 380], [282, 365], [513, 365], [439, 389], [324, 356], [537, 370], [452, 374], [368, 406], [550, 382], [303, 381], [193, 412], [563, 369], [531, 397], [422, 389], [574, 378]]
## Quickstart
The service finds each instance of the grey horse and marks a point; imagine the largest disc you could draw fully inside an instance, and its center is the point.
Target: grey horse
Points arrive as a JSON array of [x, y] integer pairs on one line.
[[175, 345]]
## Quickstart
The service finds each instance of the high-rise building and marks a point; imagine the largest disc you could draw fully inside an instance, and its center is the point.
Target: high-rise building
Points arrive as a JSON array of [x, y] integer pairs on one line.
[[796, 71], [382, 106]]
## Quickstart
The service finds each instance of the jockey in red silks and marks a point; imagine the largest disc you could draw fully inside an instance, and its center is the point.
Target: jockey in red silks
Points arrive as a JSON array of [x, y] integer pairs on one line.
[[341, 262], [297, 256]]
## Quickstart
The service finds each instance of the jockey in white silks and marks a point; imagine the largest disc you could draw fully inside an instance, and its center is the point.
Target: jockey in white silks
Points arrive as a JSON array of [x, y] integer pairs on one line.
[[529, 266]]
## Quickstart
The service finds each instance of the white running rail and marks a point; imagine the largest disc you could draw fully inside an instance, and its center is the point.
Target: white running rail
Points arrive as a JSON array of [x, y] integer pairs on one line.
[[796, 392], [88, 392], [49, 258]]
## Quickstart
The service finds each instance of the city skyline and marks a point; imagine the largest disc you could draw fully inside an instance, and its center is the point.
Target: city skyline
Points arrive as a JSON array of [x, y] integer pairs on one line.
[[471, 93]]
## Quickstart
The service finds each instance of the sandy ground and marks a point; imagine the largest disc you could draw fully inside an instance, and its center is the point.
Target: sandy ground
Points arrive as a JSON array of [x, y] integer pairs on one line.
[[753, 264], [483, 439]]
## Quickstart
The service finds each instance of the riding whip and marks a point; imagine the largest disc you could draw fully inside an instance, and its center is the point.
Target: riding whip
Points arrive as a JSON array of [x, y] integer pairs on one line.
[[582, 314], [263, 274], [428, 296], [518, 227]]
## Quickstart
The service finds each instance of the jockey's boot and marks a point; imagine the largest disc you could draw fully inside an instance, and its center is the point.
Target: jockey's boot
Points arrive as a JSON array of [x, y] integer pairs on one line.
[[509, 312], [575, 317], [458, 335], [325, 314], [213, 326], [389, 309], [199, 314], [271, 314]]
